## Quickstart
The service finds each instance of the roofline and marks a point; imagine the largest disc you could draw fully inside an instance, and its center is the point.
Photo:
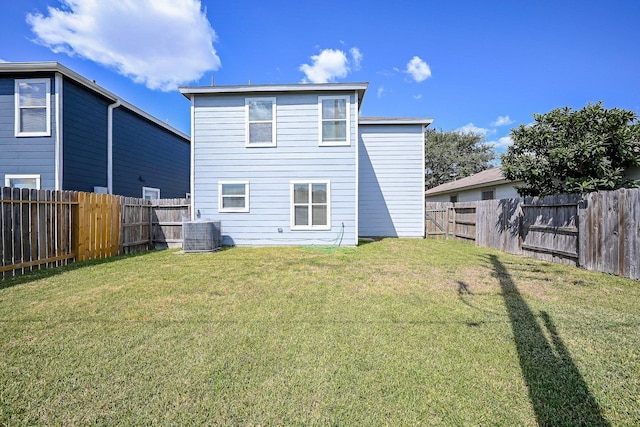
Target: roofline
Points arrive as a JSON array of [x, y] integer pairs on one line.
[[297, 87], [360, 87], [394, 121], [56, 67], [430, 192]]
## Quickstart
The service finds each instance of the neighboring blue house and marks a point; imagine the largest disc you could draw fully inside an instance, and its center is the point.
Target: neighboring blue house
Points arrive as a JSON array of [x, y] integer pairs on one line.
[[296, 164], [61, 131]]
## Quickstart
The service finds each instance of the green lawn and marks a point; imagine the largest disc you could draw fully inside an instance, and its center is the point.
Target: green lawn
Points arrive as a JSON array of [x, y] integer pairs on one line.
[[396, 332]]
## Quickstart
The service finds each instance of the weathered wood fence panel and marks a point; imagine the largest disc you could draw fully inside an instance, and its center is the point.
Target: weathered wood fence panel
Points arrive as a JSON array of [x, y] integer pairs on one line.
[[437, 219], [498, 225], [464, 220], [550, 228], [610, 232], [597, 231], [35, 230], [40, 229], [167, 219], [136, 225]]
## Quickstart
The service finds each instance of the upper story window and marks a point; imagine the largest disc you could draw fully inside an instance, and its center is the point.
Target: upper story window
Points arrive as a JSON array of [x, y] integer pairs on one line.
[[334, 120], [260, 122], [233, 196], [22, 181], [33, 107]]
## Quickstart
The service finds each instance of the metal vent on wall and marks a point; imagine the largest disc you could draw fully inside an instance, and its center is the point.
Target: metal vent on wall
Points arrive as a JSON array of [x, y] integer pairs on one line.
[[201, 236]]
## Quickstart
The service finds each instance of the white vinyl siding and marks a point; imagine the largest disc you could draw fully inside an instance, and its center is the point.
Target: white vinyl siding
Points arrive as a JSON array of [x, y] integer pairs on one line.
[[22, 181], [260, 122], [220, 154], [233, 196], [334, 120], [391, 184], [310, 205], [32, 107]]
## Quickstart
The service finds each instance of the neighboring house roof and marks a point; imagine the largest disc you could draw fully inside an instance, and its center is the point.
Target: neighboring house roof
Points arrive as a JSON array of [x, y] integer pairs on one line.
[[361, 88], [485, 178], [56, 67], [394, 121]]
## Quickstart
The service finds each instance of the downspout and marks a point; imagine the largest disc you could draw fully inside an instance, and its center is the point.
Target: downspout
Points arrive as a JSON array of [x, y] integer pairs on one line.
[[110, 109]]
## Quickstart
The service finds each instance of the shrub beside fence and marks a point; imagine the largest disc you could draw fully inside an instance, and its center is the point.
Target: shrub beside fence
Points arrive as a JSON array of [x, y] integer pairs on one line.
[[597, 231], [40, 229]]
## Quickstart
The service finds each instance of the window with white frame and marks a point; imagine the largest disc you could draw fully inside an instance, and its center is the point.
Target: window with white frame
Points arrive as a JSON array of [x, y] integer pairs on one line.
[[22, 181], [260, 122], [334, 120], [150, 193], [33, 107], [310, 205], [233, 196]]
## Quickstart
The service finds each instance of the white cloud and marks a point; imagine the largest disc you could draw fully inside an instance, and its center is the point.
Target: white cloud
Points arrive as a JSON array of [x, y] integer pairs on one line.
[[471, 128], [502, 143], [396, 69], [329, 65], [418, 96], [380, 92], [161, 43], [502, 121], [356, 57], [418, 69]]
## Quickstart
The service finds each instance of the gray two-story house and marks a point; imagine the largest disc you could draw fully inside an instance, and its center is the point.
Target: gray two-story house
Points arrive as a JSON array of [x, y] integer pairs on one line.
[[297, 165], [62, 131]]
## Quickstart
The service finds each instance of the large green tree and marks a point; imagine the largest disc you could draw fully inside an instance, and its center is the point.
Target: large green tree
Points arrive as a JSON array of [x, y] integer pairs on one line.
[[574, 151], [454, 155]]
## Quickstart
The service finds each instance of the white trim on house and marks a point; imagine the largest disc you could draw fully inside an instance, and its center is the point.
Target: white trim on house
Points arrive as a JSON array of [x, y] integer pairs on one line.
[[310, 205], [321, 120], [271, 88], [192, 165], [248, 102], [222, 196], [357, 174], [153, 192], [110, 109], [9, 177], [59, 152], [19, 107]]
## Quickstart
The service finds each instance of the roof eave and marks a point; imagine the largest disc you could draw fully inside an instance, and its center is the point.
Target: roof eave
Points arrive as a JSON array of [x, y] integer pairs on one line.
[[56, 67], [360, 87], [470, 187]]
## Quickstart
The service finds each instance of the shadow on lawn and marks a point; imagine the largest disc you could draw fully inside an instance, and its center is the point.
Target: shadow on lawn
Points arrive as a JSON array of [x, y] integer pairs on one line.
[[45, 272], [558, 392]]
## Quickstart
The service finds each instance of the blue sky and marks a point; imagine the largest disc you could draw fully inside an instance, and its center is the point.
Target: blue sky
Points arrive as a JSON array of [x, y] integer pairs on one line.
[[484, 66]]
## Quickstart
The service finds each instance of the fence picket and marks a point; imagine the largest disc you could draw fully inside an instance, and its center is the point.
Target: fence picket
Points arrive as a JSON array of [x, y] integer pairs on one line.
[[598, 231]]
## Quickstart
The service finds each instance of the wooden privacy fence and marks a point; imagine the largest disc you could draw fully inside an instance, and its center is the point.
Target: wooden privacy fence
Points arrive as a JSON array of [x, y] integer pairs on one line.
[[40, 229], [598, 231]]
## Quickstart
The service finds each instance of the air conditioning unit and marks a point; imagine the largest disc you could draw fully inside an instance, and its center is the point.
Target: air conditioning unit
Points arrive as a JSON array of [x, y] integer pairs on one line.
[[201, 236]]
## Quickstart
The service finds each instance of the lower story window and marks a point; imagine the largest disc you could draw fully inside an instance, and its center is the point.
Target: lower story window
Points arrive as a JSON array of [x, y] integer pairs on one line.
[[22, 181], [310, 207], [233, 196], [150, 193]]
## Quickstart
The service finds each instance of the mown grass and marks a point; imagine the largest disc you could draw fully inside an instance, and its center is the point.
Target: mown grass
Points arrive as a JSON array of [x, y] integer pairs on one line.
[[396, 332]]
